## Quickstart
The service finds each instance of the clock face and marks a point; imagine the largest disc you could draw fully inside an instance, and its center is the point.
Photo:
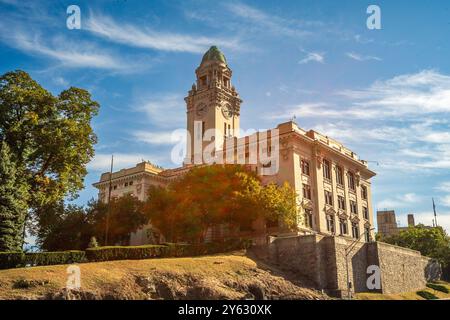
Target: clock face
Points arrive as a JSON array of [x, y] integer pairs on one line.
[[226, 111], [201, 109]]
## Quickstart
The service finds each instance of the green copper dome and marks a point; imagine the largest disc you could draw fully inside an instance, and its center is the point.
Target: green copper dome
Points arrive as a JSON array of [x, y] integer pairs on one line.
[[214, 54]]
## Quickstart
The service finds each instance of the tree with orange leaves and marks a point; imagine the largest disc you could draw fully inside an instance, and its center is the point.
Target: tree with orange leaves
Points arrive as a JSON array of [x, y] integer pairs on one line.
[[217, 195]]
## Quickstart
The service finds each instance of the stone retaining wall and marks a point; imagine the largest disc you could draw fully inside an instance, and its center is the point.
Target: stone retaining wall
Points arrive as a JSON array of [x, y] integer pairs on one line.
[[322, 260]]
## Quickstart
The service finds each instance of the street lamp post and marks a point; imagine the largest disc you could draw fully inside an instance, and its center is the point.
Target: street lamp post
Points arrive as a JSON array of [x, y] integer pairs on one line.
[[347, 253]]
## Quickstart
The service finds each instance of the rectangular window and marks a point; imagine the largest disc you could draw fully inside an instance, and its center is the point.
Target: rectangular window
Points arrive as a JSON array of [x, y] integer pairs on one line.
[[203, 81], [366, 213], [351, 181], [306, 191], [126, 184], [224, 129], [341, 202], [330, 223], [131, 183], [355, 230], [203, 129], [326, 169], [343, 226], [225, 82], [308, 218], [364, 192], [367, 235], [353, 207], [305, 167], [328, 198], [339, 176]]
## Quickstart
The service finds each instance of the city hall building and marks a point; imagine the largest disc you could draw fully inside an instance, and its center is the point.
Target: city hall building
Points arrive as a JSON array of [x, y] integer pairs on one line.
[[332, 183]]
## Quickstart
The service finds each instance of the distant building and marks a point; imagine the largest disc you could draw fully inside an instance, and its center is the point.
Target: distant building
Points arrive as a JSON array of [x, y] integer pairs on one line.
[[387, 223]]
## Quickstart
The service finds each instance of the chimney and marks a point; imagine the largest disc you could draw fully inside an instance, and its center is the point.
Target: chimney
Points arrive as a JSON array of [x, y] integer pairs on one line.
[[411, 220]]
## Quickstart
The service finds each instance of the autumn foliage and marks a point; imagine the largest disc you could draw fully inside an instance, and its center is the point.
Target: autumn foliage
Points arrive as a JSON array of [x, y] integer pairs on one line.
[[209, 196]]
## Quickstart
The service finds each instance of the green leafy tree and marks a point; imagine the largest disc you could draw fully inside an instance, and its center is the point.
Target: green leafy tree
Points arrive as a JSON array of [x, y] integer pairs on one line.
[[431, 242], [13, 208], [50, 137], [62, 227], [126, 215]]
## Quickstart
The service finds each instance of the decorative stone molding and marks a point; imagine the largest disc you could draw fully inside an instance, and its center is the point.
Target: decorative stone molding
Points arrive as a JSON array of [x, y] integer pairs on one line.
[[357, 177], [329, 210], [342, 214], [307, 204]]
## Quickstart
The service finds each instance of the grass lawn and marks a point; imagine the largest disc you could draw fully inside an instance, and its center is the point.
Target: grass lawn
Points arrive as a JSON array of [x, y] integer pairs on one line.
[[229, 276], [405, 296]]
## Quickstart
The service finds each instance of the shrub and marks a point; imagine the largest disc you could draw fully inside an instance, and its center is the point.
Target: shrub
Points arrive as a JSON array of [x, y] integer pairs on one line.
[[176, 250], [10, 260], [125, 253], [426, 295], [438, 287], [189, 250], [18, 259], [52, 258]]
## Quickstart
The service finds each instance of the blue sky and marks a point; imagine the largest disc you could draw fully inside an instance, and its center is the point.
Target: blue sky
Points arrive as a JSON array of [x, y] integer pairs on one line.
[[384, 93]]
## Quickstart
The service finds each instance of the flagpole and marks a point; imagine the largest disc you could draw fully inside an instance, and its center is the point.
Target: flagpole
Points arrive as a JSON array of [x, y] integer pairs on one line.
[[435, 216]]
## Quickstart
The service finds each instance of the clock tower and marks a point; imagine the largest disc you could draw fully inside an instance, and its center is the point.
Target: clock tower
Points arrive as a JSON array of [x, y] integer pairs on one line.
[[212, 103]]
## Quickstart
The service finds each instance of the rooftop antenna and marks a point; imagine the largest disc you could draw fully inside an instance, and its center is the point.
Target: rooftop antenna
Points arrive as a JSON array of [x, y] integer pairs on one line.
[[434, 210]]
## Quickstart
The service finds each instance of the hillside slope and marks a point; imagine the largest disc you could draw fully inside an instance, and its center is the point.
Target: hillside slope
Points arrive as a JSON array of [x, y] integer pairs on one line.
[[231, 276]]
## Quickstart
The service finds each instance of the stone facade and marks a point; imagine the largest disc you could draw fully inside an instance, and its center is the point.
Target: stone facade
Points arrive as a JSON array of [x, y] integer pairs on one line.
[[321, 261], [332, 183]]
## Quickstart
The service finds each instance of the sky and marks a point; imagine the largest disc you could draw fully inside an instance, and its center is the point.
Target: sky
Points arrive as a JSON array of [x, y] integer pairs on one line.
[[384, 93]]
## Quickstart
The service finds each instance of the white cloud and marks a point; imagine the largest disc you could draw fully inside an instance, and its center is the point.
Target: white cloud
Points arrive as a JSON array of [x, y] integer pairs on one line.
[[402, 122], [425, 92], [360, 39], [155, 138], [401, 201], [165, 110], [445, 201], [444, 186], [61, 81], [68, 53], [102, 162], [131, 35], [358, 57], [270, 22], [313, 57]]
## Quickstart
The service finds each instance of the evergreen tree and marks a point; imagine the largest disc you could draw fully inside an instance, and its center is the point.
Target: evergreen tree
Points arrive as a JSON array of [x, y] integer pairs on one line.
[[13, 206]]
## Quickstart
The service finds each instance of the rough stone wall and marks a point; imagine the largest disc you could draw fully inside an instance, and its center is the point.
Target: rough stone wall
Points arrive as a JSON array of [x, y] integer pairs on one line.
[[402, 269], [322, 260], [299, 255], [356, 262]]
